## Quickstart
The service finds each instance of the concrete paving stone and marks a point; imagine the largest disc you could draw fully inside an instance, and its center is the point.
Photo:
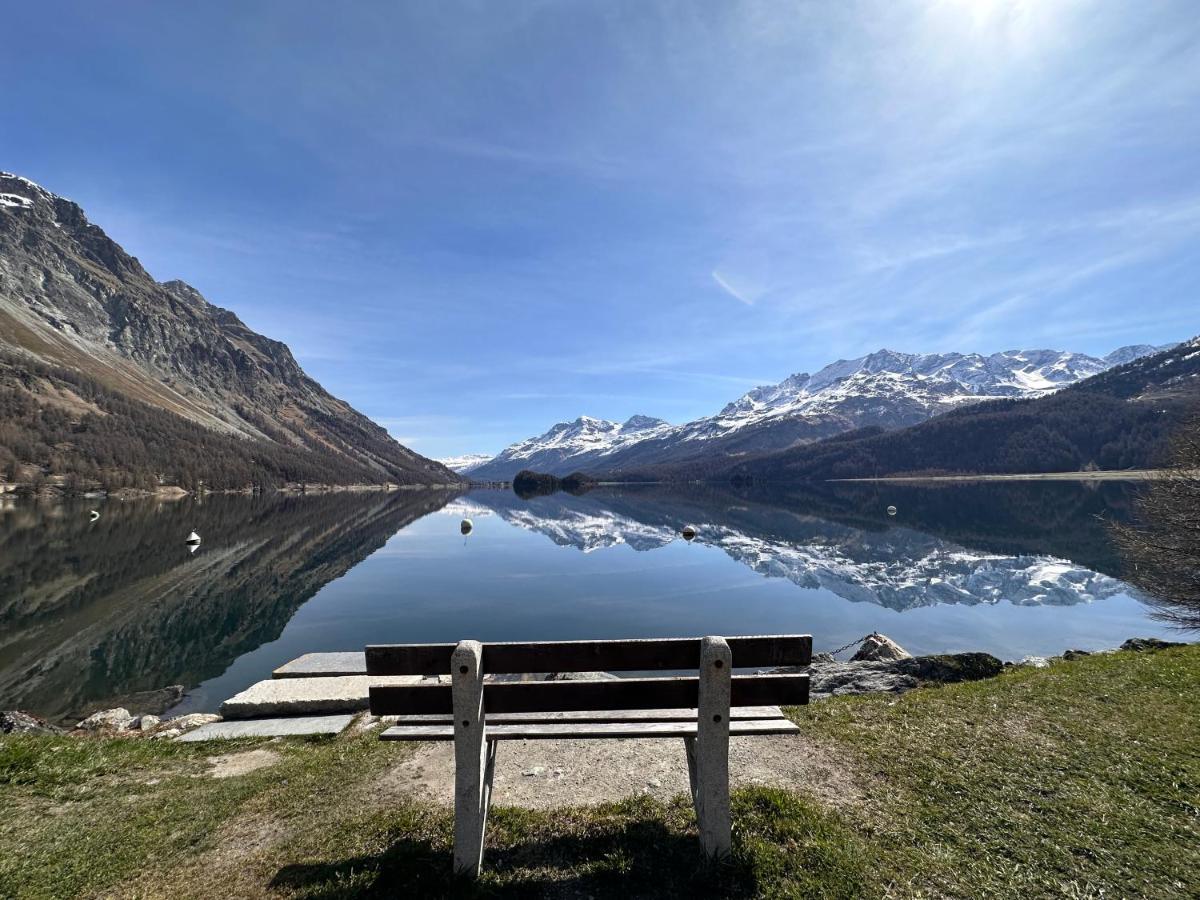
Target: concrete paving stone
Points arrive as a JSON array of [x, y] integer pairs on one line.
[[279, 727], [352, 662], [308, 696]]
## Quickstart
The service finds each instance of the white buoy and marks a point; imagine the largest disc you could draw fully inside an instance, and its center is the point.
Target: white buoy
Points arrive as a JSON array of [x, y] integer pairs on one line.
[[891, 510], [688, 532], [193, 538], [465, 526], [95, 515]]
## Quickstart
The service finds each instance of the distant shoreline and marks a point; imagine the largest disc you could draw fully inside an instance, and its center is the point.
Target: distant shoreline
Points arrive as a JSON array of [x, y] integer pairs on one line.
[[1109, 475]]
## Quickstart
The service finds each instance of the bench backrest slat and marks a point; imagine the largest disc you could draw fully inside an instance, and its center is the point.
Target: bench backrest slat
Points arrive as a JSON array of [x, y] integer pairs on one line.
[[557, 696], [587, 656]]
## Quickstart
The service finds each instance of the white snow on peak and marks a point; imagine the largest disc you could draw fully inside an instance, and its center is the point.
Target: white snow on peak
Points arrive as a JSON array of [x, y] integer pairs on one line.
[[586, 435], [31, 185], [15, 201], [466, 462]]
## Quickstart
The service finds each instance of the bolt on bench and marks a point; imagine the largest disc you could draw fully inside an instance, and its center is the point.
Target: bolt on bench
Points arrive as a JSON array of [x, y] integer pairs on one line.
[[704, 709]]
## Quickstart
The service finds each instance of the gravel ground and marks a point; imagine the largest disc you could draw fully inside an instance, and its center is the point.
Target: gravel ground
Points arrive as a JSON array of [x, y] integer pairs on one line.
[[550, 773]]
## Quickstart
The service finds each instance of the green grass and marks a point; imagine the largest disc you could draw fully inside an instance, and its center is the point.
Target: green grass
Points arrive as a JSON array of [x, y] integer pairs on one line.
[[1079, 780]]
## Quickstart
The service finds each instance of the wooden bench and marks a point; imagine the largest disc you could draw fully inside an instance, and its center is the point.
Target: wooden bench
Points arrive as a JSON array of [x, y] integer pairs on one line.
[[476, 713]]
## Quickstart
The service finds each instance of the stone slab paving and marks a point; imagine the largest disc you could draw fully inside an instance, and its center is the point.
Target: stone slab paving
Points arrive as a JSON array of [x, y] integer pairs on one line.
[[293, 725], [351, 662], [308, 696]]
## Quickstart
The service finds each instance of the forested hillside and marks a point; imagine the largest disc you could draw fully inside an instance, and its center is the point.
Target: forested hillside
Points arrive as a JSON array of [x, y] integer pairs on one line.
[[59, 422]]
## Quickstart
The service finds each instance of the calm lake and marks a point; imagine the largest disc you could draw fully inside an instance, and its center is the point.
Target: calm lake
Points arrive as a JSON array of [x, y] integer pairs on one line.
[[114, 611]]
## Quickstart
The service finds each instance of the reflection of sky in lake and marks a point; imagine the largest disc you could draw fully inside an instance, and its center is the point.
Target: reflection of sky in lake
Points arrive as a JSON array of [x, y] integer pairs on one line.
[[534, 582], [95, 614]]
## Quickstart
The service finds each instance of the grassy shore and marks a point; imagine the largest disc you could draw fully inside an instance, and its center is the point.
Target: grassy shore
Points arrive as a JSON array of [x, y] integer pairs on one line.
[[1078, 780]]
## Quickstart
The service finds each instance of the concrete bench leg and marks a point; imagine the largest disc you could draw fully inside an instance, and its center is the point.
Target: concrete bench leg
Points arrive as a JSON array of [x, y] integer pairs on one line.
[[471, 758], [709, 760]]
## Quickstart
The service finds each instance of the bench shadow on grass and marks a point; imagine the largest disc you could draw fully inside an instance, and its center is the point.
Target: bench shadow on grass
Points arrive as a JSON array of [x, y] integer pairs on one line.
[[634, 859]]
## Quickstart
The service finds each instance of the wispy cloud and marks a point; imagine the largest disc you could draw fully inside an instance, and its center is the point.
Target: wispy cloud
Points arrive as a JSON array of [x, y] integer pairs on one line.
[[740, 295]]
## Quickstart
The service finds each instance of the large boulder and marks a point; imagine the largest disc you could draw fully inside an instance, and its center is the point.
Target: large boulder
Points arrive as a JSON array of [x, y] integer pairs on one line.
[[878, 647], [1142, 644], [898, 675], [119, 719], [837, 678], [945, 668], [192, 720]]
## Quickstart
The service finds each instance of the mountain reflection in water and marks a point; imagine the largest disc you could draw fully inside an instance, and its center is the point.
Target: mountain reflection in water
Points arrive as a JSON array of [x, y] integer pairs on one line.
[[948, 543], [111, 612]]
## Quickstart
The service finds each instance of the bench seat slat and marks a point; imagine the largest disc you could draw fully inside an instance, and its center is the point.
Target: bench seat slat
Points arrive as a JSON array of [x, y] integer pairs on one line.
[[598, 730], [585, 656], [737, 713], [623, 693]]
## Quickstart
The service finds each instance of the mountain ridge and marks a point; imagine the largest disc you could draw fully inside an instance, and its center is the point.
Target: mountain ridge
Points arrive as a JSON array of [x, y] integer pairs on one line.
[[887, 389], [72, 299], [1122, 418]]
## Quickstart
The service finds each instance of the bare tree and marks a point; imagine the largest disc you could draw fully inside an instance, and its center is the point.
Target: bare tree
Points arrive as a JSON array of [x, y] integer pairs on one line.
[[1162, 552]]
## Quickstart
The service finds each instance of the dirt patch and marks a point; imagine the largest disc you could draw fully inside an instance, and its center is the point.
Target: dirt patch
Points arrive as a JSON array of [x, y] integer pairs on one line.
[[234, 764], [547, 774]]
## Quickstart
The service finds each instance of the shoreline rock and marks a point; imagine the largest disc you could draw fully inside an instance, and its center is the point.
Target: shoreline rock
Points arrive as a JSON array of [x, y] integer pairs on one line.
[[13, 721], [878, 647]]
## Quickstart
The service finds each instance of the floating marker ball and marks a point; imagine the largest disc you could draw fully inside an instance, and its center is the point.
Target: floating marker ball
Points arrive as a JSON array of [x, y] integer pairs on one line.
[[466, 526], [689, 532], [891, 510]]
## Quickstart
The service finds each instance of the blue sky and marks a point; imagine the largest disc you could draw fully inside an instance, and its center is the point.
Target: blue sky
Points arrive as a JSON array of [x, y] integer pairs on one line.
[[475, 219]]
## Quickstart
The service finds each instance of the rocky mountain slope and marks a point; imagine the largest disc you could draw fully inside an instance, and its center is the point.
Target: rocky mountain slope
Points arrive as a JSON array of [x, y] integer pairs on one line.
[[884, 389], [72, 299]]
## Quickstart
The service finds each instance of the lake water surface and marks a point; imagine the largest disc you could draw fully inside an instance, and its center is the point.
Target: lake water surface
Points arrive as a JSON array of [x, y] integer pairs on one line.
[[112, 612]]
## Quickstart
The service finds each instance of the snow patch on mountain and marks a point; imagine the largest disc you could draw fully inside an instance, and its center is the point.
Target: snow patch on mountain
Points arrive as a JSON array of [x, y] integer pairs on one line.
[[15, 201], [465, 463]]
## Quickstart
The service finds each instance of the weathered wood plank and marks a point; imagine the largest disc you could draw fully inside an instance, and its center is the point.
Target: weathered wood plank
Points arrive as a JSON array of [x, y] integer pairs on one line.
[[631, 729], [598, 730], [617, 715], [316, 664], [418, 733], [585, 656], [623, 694]]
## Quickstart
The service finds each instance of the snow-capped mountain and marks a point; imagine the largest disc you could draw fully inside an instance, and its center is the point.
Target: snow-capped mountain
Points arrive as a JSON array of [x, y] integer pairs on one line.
[[465, 463], [886, 389], [570, 446]]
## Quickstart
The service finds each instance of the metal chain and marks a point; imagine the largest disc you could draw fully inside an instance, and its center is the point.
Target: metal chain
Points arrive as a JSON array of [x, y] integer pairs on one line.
[[849, 645]]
